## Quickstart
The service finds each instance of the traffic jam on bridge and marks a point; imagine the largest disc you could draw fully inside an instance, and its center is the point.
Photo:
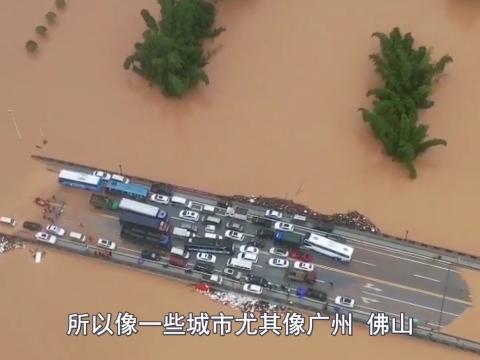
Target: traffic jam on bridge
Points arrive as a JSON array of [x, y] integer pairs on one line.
[[265, 249]]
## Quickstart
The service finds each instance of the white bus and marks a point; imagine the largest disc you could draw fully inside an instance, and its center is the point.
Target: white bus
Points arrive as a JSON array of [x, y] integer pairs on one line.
[[328, 247], [138, 207]]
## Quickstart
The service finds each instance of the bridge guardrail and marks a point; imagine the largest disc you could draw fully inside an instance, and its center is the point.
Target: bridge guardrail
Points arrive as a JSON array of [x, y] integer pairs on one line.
[[278, 297]]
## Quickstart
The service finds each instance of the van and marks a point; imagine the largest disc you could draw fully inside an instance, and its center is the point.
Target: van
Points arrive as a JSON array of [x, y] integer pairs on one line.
[[75, 236], [209, 209], [240, 264], [7, 221], [182, 232], [178, 200], [212, 236], [180, 252], [213, 220]]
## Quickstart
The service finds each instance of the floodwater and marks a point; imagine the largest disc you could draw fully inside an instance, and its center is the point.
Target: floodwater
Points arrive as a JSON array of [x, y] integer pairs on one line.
[[278, 119]]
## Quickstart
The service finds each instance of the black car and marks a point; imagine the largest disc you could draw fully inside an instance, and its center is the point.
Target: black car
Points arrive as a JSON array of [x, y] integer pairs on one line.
[[316, 294], [204, 267], [258, 280], [323, 227], [150, 255], [265, 233], [32, 226], [262, 222], [257, 243], [234, 226], [164, 189]]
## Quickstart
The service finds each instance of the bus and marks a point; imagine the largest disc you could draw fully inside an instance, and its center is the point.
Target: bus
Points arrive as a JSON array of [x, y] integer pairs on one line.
[[80, 180], [138, 207], [324, 246], [131, 190], [210, 245]]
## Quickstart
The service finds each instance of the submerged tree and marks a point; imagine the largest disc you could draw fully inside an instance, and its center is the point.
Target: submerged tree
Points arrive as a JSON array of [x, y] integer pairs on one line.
[[171, 54], [51, 17], [31, 46], [409, 75], [60, 4], [41, 30]]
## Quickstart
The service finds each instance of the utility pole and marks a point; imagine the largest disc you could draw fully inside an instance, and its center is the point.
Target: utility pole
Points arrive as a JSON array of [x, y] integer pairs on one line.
[[443, 298], [406, 235], [12, 116], [120, 167]]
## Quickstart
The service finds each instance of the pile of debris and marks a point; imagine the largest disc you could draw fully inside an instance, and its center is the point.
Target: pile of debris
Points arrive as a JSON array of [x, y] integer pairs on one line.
[[351, 219], [8, 245], [244, 303]]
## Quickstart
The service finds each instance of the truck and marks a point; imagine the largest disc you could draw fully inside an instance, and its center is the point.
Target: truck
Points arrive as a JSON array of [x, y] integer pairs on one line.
[[289, 239], [261, 221], [104, 202], [183, 233], [158, 224], [302, 276], [142, 235], [138, 207]]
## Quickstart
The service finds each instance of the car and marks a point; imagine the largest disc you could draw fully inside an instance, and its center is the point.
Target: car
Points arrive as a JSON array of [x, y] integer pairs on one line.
[[234, 235], [120, 178], [204, 267], [55, 230], [261, 221], [257, 243], [160, 199], [8, 221], [102, 174], [278, 263], [214, 279], [189, 215], [301, 255], [300, 265], [252, 288], [33, 226], [345, 301], [150, 255], [210, 228], [189, 226], [283, 226], [248, 256], [206, 257], [278, 252], [265, 233], [273, 214], [249, 249], [106, 244], [258, 280], [232, 273], [234, 226], [45, 237], [317, 294]]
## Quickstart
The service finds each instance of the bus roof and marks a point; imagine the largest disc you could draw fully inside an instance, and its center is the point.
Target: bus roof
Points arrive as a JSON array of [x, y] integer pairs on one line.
[[78, 176], [137, 189], [316, 239], [139, 207]]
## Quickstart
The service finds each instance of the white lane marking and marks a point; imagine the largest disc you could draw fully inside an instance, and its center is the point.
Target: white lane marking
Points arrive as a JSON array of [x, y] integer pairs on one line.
[[363, 262], [109, 216], [426, 278], [406, 259], [249, 235], [410, 303], [372, 287], [368, 300], [180, 219], [260, 266], [320, 281]]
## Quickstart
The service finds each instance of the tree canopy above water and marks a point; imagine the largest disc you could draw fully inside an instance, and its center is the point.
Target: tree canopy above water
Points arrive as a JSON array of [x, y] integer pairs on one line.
[[408, 75]]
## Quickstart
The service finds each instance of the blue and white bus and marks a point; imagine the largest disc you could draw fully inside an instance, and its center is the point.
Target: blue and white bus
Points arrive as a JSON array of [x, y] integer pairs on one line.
[[80, 180], [324, 246], [130, 190]]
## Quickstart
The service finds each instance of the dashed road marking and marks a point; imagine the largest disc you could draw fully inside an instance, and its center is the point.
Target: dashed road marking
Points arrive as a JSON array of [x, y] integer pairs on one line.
[[426, 278]]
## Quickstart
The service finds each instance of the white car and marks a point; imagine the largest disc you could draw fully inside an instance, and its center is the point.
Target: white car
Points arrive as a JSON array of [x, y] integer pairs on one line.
[[278, 263], [300, 265], [43, 236], [106, 244], [160, 199], [248, 256], [234, 235], [189, 215], [278, 252], [8, 221], [216, 279], [273, 214], [252, 288], [55, 230], [345, 301], [283, 226], [210, 228], [103, 175], [249, 249], [120, 178], [206, 257]]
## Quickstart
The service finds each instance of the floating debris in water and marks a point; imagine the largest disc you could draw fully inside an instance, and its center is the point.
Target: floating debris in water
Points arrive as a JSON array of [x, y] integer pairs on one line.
[[8, 245]]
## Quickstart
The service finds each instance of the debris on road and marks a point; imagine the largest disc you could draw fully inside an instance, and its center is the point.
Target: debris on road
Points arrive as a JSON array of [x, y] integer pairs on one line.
[[8, 245]]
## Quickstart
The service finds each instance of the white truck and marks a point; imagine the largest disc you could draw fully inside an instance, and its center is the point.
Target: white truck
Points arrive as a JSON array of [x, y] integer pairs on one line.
[[240, 264], [183, 233]]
